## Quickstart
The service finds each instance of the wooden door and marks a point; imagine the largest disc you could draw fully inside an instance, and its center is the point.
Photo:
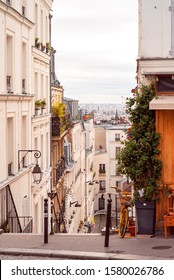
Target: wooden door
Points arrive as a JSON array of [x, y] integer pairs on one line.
[[165, 126]]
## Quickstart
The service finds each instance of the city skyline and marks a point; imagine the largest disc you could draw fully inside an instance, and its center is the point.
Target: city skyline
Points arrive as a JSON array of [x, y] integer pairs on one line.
[[96, 44]]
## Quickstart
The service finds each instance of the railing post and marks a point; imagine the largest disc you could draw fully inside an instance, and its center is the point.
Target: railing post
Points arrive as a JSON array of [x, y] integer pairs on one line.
[[46, 220], [108, 221]]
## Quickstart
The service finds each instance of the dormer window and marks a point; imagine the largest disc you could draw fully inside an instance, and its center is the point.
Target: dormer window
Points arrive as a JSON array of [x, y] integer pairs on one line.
[[23, 11], [8, 2], [23, 86]]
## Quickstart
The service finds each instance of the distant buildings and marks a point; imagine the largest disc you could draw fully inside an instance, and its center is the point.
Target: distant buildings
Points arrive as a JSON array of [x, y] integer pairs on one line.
[[108, 144]]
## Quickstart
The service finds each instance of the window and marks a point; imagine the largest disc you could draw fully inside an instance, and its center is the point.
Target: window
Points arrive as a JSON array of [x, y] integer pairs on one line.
[[67, 152], [102, 185], [10, 145], [116, 172], [23, 86], [101, 203], [8, 82], [117, 151], [8, 2], [117, 183], [9, 63], [165, 84], [117, 137], [102, 168], [23, 11]]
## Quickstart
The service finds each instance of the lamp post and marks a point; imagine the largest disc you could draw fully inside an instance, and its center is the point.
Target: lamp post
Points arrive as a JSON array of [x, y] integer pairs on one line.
[[37, 173], [52, 195]]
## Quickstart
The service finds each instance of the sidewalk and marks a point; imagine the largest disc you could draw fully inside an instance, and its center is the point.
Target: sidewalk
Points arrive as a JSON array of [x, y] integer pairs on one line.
[[88, 246]]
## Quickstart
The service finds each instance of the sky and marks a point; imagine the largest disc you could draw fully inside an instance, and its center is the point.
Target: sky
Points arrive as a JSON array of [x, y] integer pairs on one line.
[[96, 43]]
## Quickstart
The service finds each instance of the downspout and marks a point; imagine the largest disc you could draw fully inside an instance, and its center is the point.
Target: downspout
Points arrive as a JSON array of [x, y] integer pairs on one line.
[[50, 16]]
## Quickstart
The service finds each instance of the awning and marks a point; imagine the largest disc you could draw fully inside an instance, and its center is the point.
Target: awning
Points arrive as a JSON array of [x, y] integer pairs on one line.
[[162, 102]]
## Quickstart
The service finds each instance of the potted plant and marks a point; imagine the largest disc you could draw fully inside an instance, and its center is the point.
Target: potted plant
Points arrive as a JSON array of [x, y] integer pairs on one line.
[[42, 47], [48, 48], [36, 40], [37, 104], [37, 43], [43, 104], [139, 160]]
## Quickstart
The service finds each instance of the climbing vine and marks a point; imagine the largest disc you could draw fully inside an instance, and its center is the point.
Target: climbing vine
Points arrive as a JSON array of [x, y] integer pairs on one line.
[[139, 160]]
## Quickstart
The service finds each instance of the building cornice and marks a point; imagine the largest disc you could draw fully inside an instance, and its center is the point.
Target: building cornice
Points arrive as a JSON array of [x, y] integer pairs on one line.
[[154, 58], [17, 176], [12, 12], [15, 97]]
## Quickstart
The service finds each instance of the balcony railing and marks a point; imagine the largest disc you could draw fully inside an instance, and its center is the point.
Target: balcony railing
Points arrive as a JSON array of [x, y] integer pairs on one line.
[[59, 125], [102, 189], [102, 171], [58, 170], [26, 223]]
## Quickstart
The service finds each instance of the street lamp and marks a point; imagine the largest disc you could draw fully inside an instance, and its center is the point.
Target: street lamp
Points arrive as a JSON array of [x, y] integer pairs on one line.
[[77, 204], [37, 173]]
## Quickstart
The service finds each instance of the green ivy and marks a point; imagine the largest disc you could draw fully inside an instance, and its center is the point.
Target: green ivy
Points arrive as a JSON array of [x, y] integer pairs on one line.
[[139, 160]]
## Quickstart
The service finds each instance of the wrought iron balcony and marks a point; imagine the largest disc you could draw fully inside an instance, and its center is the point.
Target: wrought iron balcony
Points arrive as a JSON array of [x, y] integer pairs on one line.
[[58, 170], [60, 125]]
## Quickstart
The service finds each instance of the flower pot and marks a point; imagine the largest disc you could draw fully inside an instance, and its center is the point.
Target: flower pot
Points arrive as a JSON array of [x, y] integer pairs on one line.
[[146, 217], [38, 45], [131, 230], [42, 48]]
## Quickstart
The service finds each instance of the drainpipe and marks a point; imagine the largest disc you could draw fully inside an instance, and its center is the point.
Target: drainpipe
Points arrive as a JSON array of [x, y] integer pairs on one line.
[[50, 111], [86, 208]]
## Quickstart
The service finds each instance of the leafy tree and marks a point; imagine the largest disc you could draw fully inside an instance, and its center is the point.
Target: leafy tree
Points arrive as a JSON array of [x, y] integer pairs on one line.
[[139, 160]]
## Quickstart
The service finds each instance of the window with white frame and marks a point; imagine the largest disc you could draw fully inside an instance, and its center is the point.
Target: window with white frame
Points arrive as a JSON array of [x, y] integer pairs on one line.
[[102, 168], [102, 185], [101, 203], [117, 137]]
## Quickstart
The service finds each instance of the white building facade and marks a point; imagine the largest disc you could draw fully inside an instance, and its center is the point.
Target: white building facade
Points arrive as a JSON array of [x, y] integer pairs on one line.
[[155, 53], [20, 127]]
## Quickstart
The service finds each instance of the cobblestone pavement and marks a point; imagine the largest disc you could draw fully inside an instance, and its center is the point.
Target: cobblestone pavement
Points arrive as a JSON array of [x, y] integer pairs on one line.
[[10, 257]]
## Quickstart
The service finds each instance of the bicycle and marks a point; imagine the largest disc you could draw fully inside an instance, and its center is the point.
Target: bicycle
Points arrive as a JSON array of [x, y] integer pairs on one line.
[[125, 202]]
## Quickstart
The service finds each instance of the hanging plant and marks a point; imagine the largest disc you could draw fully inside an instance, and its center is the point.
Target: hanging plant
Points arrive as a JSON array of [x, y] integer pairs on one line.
[[139, 160]]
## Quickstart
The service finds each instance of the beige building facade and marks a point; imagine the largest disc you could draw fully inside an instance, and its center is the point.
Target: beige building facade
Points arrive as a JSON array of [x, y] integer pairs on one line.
[[108, 144]]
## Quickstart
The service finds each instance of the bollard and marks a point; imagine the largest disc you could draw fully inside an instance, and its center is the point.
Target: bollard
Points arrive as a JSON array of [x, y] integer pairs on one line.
[[46, 220], [108, 221], [116, 209]]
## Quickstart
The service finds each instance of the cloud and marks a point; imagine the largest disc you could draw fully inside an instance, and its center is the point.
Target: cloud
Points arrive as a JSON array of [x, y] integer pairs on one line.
[[96, 43]]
